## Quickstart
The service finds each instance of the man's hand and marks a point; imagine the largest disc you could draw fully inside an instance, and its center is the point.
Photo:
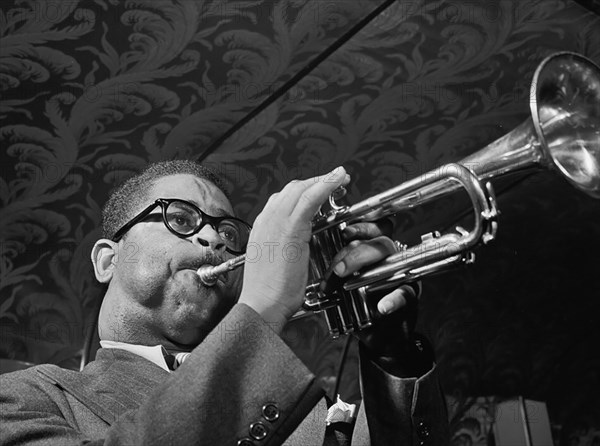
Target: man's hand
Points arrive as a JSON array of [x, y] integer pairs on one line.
[[276, 268], [368, 243], [391, 341]]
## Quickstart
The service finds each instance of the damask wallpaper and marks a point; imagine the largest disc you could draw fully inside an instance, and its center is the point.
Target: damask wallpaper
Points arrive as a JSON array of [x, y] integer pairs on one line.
[[92, 91]]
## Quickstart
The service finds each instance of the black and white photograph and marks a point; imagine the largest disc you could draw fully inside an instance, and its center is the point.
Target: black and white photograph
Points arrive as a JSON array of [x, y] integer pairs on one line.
[[300, 222]]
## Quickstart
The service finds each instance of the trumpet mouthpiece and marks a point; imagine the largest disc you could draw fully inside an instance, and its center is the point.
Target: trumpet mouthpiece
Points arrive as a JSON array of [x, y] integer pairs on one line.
[[209, 275]]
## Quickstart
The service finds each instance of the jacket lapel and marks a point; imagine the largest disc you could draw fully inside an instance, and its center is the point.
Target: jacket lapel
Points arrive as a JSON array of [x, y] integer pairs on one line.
[[117, 381]]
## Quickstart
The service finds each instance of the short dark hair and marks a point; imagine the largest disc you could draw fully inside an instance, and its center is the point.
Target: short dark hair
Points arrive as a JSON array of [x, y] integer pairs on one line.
[[122, 202]]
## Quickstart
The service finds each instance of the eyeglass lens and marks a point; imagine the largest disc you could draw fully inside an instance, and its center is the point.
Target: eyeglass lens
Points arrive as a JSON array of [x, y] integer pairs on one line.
[[184, 219]]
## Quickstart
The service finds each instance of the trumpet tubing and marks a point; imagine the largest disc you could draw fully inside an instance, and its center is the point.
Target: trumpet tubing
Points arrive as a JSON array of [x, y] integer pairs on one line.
[[562, 134]]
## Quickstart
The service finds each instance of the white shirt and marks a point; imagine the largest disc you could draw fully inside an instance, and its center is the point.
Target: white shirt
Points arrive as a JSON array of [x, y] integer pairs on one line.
[[155, 354]]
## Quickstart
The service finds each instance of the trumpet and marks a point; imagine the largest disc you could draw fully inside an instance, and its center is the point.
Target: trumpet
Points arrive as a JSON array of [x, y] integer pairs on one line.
[[562, 134]]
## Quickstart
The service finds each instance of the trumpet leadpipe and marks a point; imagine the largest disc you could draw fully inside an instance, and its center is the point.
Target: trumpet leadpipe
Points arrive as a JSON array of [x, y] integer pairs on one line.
[[209, 274]]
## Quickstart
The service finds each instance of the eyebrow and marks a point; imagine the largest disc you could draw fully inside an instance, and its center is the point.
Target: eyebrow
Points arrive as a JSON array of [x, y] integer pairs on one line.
[[220, 211], [206, 196]]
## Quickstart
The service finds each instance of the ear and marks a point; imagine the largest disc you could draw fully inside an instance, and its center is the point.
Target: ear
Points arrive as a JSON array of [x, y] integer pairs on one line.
[[103, 258]]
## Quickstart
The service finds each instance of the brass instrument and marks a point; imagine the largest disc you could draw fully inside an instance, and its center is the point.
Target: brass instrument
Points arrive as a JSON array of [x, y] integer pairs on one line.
[[563, 133]]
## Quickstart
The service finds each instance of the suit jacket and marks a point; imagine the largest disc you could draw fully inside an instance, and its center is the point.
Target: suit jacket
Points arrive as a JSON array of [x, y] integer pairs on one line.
[[242, 385]]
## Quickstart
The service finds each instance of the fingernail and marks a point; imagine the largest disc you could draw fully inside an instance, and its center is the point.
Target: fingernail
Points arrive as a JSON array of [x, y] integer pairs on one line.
[[349, 231], [339, 269], [385, 307], [341, 170]]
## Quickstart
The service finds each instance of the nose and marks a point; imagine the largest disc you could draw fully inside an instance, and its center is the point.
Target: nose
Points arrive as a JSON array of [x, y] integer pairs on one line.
[[208, 237]]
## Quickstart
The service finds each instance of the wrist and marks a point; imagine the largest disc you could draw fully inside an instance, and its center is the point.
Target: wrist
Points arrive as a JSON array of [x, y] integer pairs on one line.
[[413, 359], [271, 314]]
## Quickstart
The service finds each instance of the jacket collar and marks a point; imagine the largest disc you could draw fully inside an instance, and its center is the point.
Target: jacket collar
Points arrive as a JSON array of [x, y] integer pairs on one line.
[[115, 382]]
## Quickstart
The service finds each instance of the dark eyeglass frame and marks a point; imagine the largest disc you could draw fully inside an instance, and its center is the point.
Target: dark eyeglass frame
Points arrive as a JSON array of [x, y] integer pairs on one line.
[[164, 203]]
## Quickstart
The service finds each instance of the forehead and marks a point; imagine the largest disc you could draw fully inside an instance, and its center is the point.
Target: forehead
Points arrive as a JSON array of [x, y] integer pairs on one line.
[[199, 191]]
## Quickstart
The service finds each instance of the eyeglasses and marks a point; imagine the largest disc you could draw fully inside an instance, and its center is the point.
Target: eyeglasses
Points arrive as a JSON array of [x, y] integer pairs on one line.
[[184, 219]]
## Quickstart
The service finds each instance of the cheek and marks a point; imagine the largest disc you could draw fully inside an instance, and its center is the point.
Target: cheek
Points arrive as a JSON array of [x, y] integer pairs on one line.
[[143, 272]]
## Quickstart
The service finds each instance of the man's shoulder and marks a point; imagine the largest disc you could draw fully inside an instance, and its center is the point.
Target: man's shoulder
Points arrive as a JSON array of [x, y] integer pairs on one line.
[[36, 375], [39, 381], [33, 389]]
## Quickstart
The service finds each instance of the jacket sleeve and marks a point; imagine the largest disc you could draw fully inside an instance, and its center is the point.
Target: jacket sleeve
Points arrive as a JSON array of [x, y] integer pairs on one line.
[[222, 388], [242, 375], [399, 411]]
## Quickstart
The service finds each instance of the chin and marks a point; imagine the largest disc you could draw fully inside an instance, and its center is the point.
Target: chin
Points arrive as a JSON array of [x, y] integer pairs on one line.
[[199, 319], [188, 339], [191, 310]]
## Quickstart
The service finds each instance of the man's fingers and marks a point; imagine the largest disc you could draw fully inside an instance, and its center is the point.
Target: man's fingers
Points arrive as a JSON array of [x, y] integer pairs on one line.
[[316, 191], [368, 230], [286, 199], [358, 254], [397, 299], [304, 197], [392, 302]]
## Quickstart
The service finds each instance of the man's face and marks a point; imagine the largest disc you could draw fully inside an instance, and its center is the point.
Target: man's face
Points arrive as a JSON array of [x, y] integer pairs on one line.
[[157, 272]]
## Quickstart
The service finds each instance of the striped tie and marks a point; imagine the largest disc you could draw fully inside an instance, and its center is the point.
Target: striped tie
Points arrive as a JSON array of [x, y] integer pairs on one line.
[[174, 361]]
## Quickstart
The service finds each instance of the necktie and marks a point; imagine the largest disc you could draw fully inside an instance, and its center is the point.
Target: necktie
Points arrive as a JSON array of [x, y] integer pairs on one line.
[[171, 362], [174, 361]]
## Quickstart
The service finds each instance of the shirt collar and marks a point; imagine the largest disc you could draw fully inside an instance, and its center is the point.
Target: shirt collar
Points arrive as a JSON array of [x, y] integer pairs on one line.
[[155, 354]]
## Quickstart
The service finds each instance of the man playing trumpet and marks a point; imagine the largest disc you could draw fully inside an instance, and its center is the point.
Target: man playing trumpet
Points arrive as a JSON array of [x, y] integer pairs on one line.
[[233, 380]]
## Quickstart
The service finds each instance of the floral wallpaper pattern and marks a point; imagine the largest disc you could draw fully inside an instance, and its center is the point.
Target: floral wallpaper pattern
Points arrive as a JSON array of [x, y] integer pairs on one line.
[[92, 91]]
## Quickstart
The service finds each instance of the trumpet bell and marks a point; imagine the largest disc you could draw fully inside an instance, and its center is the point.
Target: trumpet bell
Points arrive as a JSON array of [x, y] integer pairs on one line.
[[563, 131], [565, 110]]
